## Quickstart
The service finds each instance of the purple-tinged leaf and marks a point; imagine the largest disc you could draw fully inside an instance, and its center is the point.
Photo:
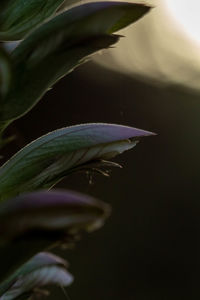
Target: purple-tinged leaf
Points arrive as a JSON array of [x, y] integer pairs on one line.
[[41, 270], [61, 44], [47, 160], [62, 211], [33, 222]]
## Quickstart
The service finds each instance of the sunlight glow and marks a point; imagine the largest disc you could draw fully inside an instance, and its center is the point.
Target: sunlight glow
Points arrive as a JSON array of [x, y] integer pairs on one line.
[[187, 15]]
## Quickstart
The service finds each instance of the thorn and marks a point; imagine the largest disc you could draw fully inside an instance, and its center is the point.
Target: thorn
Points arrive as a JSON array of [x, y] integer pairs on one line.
[[102, 172], [65, 292]]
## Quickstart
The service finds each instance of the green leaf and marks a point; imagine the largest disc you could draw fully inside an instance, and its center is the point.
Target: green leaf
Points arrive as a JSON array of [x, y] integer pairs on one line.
[[42, 270], [67, 4], [5, 72], [58, 46], [5, 79], [47, 160], [31, 223], [18, 17]]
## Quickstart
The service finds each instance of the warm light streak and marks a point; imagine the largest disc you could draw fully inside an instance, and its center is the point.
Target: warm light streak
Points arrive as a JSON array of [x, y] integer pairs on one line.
[[187, 15]]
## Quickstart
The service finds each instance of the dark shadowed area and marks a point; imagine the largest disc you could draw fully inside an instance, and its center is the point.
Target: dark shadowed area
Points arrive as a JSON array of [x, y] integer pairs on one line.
[[149, 248]]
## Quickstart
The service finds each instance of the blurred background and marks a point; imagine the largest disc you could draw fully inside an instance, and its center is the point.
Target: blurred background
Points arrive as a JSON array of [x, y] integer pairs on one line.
[[149, 248]]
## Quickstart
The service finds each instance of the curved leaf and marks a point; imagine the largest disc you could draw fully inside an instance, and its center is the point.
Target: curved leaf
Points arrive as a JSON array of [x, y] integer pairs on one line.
[[55, 210], [43, 269], [67, 4], [33, 222], [18, 17], [47, 160], [58, 46]]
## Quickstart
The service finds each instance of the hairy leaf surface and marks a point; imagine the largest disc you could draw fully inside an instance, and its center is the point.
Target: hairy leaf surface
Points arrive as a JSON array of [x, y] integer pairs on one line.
[[47, 160], [58, 46]]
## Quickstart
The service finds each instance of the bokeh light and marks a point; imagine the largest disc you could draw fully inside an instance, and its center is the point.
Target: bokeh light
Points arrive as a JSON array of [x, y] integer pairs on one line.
[[163, 47], [186, 14]]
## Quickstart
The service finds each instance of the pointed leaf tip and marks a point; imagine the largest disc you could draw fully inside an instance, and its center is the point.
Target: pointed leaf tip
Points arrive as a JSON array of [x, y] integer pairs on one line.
[[58, 46], [50, 158], [121, 132]]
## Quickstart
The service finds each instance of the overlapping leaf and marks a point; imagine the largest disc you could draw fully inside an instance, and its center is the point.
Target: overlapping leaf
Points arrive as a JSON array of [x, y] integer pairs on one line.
[[47, 160], [18, 17], [31, 223], [67, 4], [42, 270], [49, 211], [55, 48]]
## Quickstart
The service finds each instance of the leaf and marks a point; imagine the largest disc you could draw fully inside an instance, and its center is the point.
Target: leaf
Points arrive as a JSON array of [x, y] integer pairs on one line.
[[48, 159], [18, 17], [67, 4], [55, 210], [42, 270], [31, 223], [20, 99], [5, 72], [58, 46], [5, 78]]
